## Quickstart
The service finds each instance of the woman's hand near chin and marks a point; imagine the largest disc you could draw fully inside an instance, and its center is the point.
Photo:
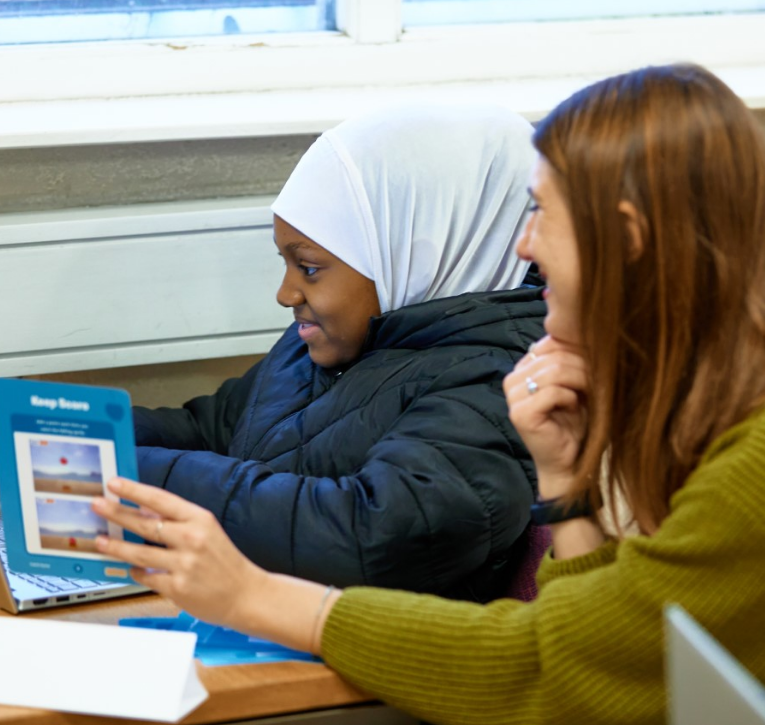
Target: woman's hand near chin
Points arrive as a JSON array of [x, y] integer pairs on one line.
[[546, 395], [200, 569]]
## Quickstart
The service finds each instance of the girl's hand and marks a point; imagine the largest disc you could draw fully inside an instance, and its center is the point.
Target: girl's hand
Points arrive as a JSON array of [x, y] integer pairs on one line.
[[199, 568], [546, 395]]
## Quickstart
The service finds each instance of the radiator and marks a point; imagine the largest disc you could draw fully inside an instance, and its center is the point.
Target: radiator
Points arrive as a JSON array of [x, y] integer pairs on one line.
[[105, 287]]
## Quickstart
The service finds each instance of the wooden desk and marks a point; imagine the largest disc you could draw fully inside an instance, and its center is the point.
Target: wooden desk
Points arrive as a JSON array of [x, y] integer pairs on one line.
[[239, 692]]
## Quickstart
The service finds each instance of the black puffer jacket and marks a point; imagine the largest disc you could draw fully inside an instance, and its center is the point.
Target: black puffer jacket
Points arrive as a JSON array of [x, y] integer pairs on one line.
[[402, 471]]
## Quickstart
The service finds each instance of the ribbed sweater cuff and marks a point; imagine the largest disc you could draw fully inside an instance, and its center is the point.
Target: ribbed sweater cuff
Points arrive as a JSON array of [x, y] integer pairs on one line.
[[441, 660], [551, 568], [358, 614]]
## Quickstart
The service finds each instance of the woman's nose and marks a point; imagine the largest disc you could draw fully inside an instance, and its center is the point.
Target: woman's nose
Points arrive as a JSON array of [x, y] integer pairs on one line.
[[523, 250]]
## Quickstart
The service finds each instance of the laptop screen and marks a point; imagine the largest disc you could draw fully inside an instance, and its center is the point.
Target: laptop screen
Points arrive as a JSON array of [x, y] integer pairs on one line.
[[706, 685]]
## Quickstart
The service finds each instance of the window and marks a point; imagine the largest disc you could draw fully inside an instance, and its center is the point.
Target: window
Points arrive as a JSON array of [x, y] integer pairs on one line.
[[447, 12], [51, 21], [357, 53], [374, 21]]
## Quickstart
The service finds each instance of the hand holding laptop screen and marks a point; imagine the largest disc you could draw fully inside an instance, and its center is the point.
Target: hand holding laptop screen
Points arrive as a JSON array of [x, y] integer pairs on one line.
[[197, 566], [201, 570]]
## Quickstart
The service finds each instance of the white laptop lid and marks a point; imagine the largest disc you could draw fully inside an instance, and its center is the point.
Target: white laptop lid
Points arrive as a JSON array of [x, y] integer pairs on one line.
[[706, 685]]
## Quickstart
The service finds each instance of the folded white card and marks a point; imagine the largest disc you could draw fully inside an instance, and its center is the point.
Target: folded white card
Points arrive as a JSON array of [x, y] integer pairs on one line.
[[98, 669]]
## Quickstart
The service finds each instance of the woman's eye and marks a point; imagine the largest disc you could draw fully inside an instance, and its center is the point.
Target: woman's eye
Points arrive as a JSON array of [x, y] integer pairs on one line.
[[533, 207], [308, 271]]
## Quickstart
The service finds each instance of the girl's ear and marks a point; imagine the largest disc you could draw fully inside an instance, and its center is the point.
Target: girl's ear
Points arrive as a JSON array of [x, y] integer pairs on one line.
[[636, 228]]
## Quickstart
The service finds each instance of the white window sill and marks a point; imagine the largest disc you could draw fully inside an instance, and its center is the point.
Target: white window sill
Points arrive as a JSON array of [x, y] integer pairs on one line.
[[131, 92]]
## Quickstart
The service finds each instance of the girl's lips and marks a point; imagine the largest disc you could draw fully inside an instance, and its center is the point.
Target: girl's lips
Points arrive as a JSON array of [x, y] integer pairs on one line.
[[306, 330]]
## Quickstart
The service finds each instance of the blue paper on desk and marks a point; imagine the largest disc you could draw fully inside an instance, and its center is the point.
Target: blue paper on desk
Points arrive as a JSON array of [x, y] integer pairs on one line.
[[221, 646]]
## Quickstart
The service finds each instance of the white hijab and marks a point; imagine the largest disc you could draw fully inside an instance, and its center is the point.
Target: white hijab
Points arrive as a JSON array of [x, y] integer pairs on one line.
[[427, 201]]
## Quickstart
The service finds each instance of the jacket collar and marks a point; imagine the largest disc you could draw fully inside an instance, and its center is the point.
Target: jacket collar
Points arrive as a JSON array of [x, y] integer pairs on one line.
[[471, 318]]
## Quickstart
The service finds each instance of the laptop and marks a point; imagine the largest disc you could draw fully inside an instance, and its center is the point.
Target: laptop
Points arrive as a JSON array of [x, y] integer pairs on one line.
[[706, 685], [59, 444], [20, 592]]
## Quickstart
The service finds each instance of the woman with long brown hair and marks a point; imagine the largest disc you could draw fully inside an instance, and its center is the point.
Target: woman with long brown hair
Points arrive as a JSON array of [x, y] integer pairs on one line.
[[649, 230]]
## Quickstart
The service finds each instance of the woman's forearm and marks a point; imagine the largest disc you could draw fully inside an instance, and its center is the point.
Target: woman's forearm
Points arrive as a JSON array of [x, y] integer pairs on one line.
[[576, 537], [284, 609]]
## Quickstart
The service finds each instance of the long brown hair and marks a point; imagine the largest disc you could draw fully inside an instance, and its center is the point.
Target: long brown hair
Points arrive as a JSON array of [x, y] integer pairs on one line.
[[675, 333]]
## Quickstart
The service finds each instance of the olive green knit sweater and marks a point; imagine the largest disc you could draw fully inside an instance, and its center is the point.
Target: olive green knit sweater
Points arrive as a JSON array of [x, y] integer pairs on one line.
[[590, 648]]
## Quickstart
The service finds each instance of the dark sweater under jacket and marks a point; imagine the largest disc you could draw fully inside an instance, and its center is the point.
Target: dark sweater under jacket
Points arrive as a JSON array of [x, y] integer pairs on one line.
[[400, 471]]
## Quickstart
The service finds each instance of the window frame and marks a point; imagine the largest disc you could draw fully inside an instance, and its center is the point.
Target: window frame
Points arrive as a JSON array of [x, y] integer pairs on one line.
[[305, 83]]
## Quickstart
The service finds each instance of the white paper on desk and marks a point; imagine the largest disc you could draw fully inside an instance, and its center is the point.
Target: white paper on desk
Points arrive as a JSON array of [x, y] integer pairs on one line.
[[98, 669]]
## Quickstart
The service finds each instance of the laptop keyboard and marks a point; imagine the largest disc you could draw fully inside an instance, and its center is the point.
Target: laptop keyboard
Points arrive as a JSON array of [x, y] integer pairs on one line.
[[47, 584]]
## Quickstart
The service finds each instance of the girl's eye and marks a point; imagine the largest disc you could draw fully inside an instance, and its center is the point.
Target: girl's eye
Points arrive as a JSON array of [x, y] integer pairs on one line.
[[308, 271]]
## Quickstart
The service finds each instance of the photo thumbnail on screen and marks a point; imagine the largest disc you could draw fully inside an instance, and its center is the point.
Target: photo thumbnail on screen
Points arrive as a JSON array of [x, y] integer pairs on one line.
[[66, 467], [68, 524]]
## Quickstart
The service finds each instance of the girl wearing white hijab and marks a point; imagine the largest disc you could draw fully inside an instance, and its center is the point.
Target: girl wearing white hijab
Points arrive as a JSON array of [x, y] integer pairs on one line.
[[372, 444], [426, 201]]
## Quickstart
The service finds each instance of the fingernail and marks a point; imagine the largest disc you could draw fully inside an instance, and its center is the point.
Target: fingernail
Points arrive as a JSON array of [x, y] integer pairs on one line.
[[102, 542], [98, 503], [115, 485]]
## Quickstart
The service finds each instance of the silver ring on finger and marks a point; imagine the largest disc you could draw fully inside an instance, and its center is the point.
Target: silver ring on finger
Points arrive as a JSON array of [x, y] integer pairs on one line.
[[531, 385], [158, 531]]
